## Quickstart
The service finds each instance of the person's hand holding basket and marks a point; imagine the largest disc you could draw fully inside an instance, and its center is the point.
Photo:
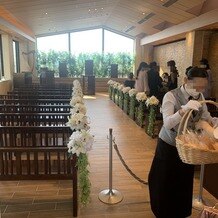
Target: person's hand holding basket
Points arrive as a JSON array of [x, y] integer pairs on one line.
[[195, 148]]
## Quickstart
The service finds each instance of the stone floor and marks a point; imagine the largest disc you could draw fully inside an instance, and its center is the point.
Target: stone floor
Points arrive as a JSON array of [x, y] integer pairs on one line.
[[29, 199]]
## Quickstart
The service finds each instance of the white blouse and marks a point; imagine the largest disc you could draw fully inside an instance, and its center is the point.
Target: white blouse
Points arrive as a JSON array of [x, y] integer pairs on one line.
[[141, 83]]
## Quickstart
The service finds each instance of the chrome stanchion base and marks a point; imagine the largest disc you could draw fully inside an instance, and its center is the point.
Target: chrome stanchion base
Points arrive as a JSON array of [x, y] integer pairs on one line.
[[199, 204], [110, 197]]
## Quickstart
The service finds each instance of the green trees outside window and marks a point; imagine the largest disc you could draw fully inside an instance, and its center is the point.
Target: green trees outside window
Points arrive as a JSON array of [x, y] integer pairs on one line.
[[76, 64]]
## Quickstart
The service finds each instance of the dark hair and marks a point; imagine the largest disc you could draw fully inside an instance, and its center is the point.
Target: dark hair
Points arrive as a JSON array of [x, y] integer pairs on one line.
[[153, 64], [131, 75], [204, 61], [141, 65], [196, 72], [171, 63], [187, 69]]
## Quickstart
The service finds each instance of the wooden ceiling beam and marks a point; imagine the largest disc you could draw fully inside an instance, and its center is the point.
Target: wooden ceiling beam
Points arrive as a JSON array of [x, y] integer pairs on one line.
[[13, 24], [193, 24]]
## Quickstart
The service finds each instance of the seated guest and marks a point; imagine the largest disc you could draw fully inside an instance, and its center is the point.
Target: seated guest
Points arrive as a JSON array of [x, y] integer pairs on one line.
[[130, 82]]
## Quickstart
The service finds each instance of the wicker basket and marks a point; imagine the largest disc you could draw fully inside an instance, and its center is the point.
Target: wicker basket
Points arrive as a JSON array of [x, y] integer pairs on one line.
[[192, 155]]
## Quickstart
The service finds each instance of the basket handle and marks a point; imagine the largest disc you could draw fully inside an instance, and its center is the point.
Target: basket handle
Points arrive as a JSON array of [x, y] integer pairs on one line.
[[186, 116]]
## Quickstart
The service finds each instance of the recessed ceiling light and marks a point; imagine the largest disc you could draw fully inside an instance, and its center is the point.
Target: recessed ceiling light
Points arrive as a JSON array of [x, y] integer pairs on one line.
[[143, 13], [46, 13]]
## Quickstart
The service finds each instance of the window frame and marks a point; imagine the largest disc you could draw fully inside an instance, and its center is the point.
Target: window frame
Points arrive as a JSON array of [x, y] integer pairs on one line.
[[1, 57], [17, 56]]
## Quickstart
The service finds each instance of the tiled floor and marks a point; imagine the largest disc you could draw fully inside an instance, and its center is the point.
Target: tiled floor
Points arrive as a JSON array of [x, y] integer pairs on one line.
[[44, 199]]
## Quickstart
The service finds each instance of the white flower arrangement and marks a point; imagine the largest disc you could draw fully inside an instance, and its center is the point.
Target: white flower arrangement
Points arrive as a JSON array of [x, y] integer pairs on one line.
[[80, 142], [120, 87], [116, 84], [78, 108], [141, 96], [111, 82], [126, 89], [78, 121], [76, 100], [152, 101], [76, 83], [77, 92], [132, 92]]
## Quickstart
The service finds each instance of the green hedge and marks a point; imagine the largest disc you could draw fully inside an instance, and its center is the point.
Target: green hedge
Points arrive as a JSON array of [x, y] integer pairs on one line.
[[76, 64]]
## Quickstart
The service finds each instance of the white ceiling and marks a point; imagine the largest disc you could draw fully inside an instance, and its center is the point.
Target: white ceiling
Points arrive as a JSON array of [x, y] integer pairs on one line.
[[129, 17]]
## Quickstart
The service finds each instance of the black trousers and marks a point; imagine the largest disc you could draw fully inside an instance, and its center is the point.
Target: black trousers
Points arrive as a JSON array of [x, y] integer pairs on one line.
[[170, 183]]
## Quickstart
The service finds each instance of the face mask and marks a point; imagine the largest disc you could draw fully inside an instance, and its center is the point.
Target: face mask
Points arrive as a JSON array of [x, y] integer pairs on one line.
[[192, 92]]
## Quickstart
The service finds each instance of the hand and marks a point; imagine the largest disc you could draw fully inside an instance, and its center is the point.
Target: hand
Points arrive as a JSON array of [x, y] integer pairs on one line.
[[192, 104]]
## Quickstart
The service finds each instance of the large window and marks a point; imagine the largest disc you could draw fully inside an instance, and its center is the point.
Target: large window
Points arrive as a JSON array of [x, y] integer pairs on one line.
[[114, 43], [89, 41], [1, 59], [56, 43], [16, 56]]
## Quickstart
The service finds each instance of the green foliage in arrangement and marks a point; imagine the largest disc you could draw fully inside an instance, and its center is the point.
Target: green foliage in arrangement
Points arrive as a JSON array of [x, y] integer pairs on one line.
[[121, 98], [151, 120], [140, 114], [76, 64], [110, 92], [126, 103], [132, 106], [83, 179]]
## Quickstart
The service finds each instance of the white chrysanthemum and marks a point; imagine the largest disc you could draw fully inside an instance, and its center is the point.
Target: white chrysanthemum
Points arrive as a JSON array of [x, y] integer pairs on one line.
[[132, 92], [76, 83], [152, 101], [78, 108], [77, 92], [141, 96], [120, 87], [116, 84], [78, 121], [75, 100], [111, 82], [80, 142], [126, 89]]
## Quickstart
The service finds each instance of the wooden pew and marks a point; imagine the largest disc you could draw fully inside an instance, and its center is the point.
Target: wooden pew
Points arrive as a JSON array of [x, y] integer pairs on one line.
[[35, 108], [35, 97], [37, 86], [40, 92], [34, 101], [37, 153], [33, 119]]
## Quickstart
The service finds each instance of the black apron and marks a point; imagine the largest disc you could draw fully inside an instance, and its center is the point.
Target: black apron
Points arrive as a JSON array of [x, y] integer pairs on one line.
[[170, 183]]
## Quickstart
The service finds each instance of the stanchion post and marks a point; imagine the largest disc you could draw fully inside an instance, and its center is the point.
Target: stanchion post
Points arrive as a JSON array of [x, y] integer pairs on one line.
[[110, 159], [199, 203], [110, 196]]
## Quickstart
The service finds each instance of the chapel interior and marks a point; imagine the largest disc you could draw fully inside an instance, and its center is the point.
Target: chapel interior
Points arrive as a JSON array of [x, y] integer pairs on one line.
[[185, 31]]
